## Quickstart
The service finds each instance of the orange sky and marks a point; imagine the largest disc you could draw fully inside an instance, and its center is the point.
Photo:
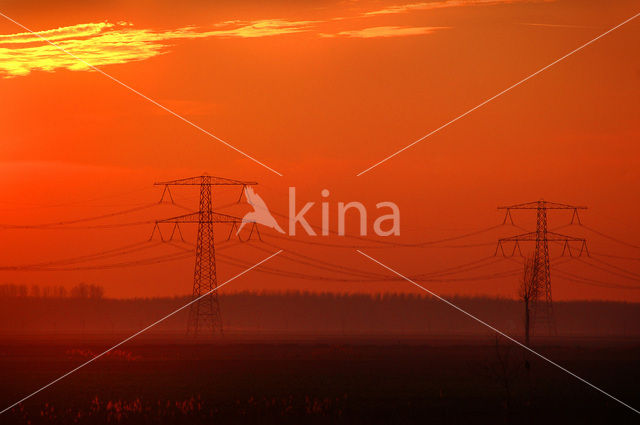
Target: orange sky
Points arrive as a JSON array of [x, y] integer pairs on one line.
[[320, 91]]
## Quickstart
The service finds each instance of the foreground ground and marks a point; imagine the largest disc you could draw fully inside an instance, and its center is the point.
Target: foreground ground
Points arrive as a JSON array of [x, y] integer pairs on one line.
[[319, 381]]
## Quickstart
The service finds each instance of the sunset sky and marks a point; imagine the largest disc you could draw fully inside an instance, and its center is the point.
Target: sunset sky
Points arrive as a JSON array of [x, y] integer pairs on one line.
[[320, 91]]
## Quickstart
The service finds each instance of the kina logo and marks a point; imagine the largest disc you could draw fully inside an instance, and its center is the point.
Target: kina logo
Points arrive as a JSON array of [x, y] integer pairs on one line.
[[260, 213]]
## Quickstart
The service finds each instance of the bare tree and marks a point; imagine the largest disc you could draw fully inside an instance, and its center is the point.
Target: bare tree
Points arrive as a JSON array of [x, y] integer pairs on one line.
[[86, 291], [61, 292], [505, 372], [528, 293], [96, 292], [80, 291]]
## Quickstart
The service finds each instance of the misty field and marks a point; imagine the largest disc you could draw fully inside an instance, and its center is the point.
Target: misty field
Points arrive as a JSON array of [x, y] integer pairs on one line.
[[479, 380]]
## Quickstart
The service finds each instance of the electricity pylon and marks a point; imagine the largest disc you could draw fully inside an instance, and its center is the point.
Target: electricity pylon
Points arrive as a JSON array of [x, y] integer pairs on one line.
[[542, 303], [205, 313]]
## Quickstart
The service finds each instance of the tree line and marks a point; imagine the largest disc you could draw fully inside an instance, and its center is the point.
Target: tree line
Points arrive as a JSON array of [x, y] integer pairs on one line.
[[81, 290]]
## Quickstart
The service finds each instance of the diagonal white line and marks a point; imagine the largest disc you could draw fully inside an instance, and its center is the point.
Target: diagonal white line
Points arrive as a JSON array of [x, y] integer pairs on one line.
[[499, 332], [175, 114], [138, 333], [499, 94]]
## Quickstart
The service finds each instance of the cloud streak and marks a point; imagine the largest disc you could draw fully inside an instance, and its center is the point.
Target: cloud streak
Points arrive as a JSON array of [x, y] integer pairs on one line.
[[106, 43], [405, 8], [75, 31], [532, 24], [388, 31]]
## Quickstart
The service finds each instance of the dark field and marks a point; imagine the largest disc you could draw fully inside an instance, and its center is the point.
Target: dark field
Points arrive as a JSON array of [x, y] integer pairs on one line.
[[479, 380]]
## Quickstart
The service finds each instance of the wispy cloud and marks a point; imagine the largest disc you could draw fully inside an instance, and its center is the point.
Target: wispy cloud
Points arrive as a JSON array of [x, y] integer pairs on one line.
[[107, 43], [390, 31], [404, 8], [261, 28], [532, 24]]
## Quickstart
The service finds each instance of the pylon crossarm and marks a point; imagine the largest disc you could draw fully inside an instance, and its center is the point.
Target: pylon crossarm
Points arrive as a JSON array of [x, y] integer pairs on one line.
[[176, 226], [530, 236], [507, 215], [575, 217], [559, 206], [552, 237], [234, 226], [499, 245], [545, 204], [153, 232], [516, 246], [255, 227], [195, 218], [584, 248], [166, 191], [533, 236], [241, 193], [206, 180]]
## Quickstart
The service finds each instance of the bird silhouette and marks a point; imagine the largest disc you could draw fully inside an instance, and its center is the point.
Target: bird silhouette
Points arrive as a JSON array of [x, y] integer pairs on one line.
[[260, 213]]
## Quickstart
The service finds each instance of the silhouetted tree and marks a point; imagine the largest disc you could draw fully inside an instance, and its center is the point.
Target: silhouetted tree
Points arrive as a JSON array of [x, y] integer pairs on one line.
[[80, 291], [528, 294], [85, 291], [96, 292], [60, 292]]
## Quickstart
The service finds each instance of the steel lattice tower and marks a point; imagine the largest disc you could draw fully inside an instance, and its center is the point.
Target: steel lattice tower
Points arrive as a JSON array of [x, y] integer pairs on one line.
[[205, 313], [542, 301], [543, 309]]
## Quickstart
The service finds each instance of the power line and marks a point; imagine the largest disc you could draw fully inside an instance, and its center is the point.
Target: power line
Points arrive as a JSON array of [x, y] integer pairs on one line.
[[135, 263], [432, 277], [482, 262], [613, 238], [77, 202], [613, 266], [396, 244], [322, 265], [611, 271], [54, 265], [593, 282], [79, 220], [101, 226], [462, 268], [87, 257], [384, 244], [619, 257]]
